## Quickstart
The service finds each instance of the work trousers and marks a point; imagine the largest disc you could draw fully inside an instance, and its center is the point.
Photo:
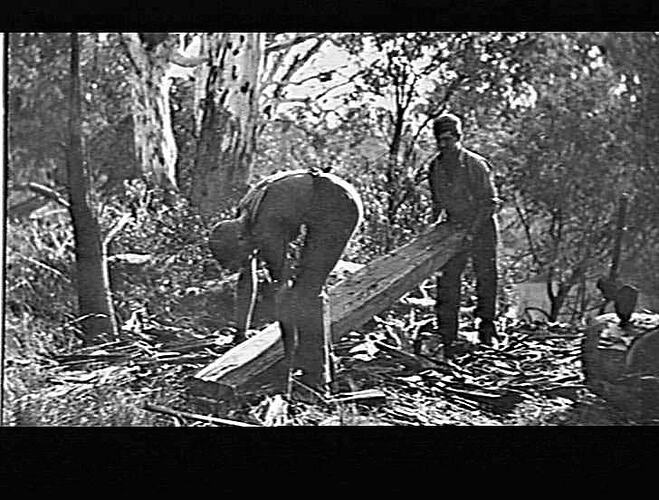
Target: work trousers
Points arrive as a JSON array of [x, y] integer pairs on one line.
[[301, 304], [482, 251]]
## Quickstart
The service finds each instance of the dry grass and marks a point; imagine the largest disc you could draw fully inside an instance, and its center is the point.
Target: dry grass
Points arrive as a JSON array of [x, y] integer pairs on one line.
[[87, 387], [532, 378]]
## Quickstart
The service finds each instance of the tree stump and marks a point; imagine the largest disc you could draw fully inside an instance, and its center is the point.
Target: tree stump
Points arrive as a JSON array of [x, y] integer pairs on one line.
[[621, 363]]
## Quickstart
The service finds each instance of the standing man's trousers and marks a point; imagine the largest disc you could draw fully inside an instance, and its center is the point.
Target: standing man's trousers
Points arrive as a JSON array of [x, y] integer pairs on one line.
[[482, 251]]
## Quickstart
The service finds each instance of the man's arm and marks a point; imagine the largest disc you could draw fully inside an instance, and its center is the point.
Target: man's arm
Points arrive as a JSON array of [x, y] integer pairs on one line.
[[485, 193], [437, 205]]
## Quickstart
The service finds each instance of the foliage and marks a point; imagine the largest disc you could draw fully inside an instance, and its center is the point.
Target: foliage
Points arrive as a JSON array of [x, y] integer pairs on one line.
[[38, 267], [39, 319], [414, 78], [107, 111], [532, 381], [39, 393], [346, 150], [566, 164], [633, 57], [37, 89], [568, 120], [173, 238], [183, 125]]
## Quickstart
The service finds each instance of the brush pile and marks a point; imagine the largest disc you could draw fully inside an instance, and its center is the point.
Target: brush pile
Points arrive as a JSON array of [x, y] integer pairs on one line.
[[533, 376]]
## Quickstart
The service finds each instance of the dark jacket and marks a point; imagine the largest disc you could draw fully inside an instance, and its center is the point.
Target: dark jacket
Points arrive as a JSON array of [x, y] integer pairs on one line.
[[469, 195]]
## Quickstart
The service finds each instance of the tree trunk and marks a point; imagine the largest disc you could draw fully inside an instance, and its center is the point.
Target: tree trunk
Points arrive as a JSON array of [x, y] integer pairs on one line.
[[155, 147], [617, 244], [229, 113], [94, 299], [557, 300], [393, 175]]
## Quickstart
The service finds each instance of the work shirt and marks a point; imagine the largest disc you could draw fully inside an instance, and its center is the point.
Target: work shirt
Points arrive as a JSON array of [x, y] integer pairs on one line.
[[465, 190], [272, 214], [290, 196]]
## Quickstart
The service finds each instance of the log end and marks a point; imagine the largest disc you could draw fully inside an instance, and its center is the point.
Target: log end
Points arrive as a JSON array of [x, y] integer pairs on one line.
[[211, 390]]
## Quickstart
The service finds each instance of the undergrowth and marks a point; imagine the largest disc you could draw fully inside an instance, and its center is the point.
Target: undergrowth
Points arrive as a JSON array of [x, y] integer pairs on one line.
[[175, 293]]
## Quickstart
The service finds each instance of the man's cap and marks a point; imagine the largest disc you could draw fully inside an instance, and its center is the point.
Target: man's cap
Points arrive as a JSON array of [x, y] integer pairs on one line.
[[224, 242], [448, 123]]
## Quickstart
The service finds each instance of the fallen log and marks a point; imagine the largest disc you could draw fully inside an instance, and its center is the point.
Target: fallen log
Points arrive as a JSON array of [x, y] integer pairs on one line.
[[354, 301]]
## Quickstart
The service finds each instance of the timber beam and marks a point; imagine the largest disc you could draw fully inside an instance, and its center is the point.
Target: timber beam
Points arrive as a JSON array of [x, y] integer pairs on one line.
[[353, 302]]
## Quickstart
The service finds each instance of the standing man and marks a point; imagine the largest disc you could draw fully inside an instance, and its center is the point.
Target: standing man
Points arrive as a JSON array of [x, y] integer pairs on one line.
[[463, 193], [324, 211]]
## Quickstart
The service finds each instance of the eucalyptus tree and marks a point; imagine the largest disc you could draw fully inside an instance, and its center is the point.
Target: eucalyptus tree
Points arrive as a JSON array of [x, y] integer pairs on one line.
[[409, 79], [95, 308], [635, 59], [565, 164]]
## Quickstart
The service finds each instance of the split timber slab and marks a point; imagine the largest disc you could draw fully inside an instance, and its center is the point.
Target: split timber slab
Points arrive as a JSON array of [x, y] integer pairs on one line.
[[353, 302]]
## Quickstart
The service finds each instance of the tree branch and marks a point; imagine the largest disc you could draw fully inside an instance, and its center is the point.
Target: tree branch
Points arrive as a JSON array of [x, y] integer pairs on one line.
[[298, 62], [186, 61], [549, 284], [127, 40], [45, 266], [42, 190], [291, 100], [441, 107], [527, 309], [289, 43], [114, 230], [317, 75], [527, 231], [410, 92], [273, 70]]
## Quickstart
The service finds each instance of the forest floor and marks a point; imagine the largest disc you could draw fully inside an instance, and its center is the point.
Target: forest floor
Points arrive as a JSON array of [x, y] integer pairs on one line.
[[174, 310], [532, 377]]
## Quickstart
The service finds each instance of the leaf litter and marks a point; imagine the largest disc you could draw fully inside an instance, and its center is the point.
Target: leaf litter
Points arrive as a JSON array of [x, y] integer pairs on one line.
[[532, 377]]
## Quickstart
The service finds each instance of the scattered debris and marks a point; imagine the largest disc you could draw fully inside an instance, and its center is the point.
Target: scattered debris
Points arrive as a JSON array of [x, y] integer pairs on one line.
[[533, 370], [181, 415], [277, 411]]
